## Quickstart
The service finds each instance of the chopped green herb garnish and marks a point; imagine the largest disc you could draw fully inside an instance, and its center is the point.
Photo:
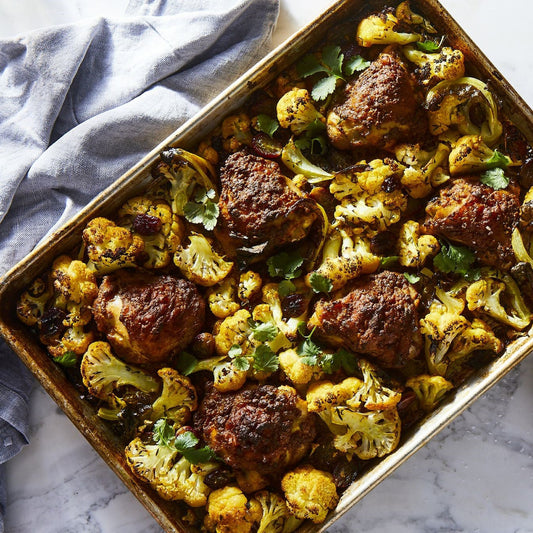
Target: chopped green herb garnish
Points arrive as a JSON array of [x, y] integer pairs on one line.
[[389, 261], [267, 124], [68, 359], [186, 363], [429, 45], [163, 433], [235, 351], [320, 283], [355, 64], [203, 210], [265, 360], [263, 331], [285, 288], [285, 265], [309, 351], [186, 444], [497, 159], [411, 278], [455, 259], [495, 178]]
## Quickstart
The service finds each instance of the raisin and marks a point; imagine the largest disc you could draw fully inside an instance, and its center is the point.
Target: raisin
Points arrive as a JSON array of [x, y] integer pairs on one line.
[[146, 224]]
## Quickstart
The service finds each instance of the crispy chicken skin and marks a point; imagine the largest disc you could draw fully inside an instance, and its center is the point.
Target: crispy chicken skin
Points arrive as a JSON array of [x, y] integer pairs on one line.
[[378, 109], [476, 215], [260, 209], [262, 428], [148, 318], [375, 315]]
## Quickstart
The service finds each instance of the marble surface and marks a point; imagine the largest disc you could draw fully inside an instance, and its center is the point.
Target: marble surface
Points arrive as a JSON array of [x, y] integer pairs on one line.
[[475, 476]]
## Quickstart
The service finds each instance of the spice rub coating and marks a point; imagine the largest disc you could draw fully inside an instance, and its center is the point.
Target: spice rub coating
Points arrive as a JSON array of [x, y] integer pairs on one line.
[[380, 108], [478, 216], [260, 209], [146, 317], [375, 315], [262, 428]]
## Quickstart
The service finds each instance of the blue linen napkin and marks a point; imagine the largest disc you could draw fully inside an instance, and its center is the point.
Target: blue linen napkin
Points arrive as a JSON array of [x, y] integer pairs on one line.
[[81, 103]]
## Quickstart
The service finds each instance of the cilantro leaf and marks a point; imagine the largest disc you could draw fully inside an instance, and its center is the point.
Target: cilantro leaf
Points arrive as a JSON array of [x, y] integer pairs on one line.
[[265, 360], [203, 210], [454, 259], [389, 261], [285, 288], [267, 124], [309, 351], [163, 432], [355, 64], [186, 444], [235, 351], [241, 363], [320, 283], [309, 65], [323, 88], [186, 363], [333, 58], [429, 45], [497, 159], [495, 178], [347, 360], [285, 265], [263, 331], [68, 359], [411, 278]]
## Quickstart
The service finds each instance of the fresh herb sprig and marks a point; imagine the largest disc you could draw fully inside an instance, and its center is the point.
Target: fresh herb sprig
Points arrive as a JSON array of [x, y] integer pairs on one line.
[[203, 210], [68, 359], [495, 178], [320, 283], [266, 124], [456, 260]]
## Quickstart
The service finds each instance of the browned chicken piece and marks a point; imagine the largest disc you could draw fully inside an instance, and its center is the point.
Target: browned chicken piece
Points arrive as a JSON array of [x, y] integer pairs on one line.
[[262, 428], [260, 209], [148, 318], [375, 315], [470, 213], [380, 108]]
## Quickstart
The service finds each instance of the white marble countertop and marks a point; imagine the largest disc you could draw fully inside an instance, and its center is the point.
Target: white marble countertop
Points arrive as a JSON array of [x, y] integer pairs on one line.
[[475, 476]]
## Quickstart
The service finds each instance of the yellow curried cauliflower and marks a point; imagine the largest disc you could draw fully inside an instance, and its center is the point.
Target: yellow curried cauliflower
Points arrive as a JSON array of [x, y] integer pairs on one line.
[[249, 285], [382, 29], [296, 370], [429, 390], [447, 64], [221, 298], [236, 132], [310, 493], [32, 302], [324, 395], [373, 394], [413, 248], [110, 247], [276, 517], [477, 336], [365, 204], [295, 110], [229, 511]]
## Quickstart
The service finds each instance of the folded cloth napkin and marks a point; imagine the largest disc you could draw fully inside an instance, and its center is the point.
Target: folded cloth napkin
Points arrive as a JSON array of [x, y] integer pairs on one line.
[[81, 103]]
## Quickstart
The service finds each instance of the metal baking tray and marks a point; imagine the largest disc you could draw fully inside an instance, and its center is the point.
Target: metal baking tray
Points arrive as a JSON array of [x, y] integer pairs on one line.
[[134, 181]]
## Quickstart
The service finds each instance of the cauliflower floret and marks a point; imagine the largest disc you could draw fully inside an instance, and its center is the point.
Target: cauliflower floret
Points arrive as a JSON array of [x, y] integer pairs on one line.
[[485, 296], [187, 173], [429, 390], [448, 64], [249, 285], [364, 203], [295, 110], [236, 132], [367, 434], [373, 394], [149, 461], [345, 257], [310, 493], [110, 247], [161, 230], [324, 395], [32, 302], [293, 159], [227, 377], [221, 298], [450, 102], [235, 330], [381, 29], [178, 397], [103, 373], [229, 511], [440, 326], [471, 155], [477, 336], [413, 248], [423, 169], [201, 264], [276, 517], [296, 370], [75, 340]]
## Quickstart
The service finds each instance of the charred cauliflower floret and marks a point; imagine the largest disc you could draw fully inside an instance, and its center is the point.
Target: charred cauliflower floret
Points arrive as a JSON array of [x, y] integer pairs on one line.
[[276, 517], [235, 330], [374, 394], [177, 399], [249, 285], [310, 493], [471, 155], [429, 390], [487, 297], [324, 395], [298, 371], [230, 511], [161, 230], [262, 428], [378, 109], [370, 196], [305, 171], [31, 304], [186, 174], [110, 247], [345, 257], [200, 263], [383, 28], [424, 169], [477, 336], [222, 298], [449, 106], [236, 132], [413, 248], [103, 373], [447, 64], [295, 110]]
